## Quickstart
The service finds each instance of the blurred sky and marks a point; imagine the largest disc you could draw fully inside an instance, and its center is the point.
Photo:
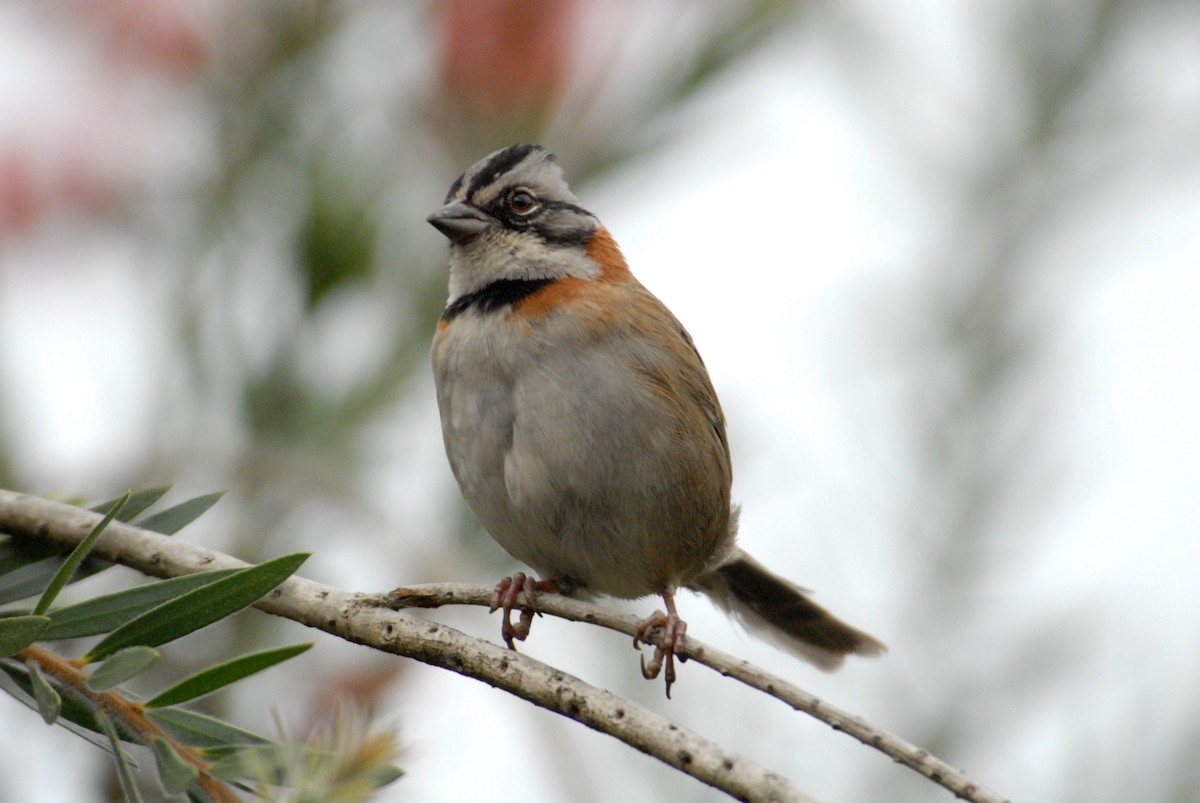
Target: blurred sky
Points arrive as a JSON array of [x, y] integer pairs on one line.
[[812, 215]]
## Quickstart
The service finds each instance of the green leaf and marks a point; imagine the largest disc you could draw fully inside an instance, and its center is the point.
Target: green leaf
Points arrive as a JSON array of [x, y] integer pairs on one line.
[[276, 764], [223, 674], [28, 581], [124, 770], [387, 775], [106, 613], [76, 557], [16, 553], [49, 702], [269, 763], [175, 774], [32, 580], [136, 504], [174, 519], [199, 607], [76, 716], [18, 632], [202, 731], [121, 666], [339, 233]]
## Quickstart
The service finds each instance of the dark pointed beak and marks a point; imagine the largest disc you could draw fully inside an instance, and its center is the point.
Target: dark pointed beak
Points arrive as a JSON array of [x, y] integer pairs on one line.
[[460, 222]]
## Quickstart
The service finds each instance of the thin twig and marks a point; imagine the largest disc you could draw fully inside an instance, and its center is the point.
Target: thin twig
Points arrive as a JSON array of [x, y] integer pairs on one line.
[[364, 619], [435, 595]]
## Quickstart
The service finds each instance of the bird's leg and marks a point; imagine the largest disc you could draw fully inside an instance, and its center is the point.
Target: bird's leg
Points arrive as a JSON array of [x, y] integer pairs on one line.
[[509, 591], [674, 630]]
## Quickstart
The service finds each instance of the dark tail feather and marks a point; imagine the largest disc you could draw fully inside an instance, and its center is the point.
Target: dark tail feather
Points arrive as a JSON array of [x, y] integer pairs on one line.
[[773, 608]]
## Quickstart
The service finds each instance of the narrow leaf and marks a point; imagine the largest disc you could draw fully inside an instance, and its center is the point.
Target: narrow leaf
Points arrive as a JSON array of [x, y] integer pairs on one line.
[[223, 674], [199, 607], [29, 581], [32, 580], [124, 770], [121, 666], [106, 613], [16, 554], [76, 716], [136, 504], [175, 774], [49, 702], [75, 558], [387, 775], [174, 519], [203, 731], [18, 632]]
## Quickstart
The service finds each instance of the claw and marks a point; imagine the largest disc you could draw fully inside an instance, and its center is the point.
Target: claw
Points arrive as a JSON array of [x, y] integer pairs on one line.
[[499, 592], [519, 590], [674, 631]]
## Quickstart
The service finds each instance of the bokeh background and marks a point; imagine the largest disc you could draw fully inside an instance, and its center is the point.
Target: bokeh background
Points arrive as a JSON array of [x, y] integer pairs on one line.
[[942, 260]]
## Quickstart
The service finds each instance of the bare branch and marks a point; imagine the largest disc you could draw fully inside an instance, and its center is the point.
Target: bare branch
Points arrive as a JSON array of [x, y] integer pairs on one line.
[[372, 620], [435, 595], [362, 619]]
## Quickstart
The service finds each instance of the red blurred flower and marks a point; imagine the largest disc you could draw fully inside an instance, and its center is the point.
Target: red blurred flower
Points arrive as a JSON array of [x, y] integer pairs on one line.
[[505, 59], [35, 187], [159, 35]]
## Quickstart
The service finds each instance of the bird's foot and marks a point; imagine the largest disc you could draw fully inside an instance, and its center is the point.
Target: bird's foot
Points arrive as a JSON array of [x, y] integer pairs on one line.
[[673, 632], [518, 590]]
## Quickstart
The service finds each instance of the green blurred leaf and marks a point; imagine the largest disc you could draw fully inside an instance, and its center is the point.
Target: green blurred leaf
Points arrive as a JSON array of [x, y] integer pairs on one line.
[[388, 775], [17, 553], [339, 233], [25, 568], [124, 770], [76, 557], [18, 632], [385, 775], [202, 731], [49, 702], [199, 607], [28, 581], [106, 613], [121, 666], [278, 764], [264, 762], [33, 579], [175, 774], [174, 519], [135, 505], [223, 674]]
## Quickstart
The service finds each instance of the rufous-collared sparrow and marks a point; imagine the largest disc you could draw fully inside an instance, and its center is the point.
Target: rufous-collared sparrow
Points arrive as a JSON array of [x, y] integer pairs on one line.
[[581, 424]]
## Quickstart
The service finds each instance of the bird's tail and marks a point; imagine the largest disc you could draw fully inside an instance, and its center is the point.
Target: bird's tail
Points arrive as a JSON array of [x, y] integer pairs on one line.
[[780, 612]]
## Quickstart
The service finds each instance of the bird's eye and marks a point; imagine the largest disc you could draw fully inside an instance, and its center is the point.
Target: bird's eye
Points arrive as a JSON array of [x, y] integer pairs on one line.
[[522, 202]]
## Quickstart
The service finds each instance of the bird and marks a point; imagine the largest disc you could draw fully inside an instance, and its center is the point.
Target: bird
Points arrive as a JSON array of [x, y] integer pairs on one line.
[[582, 426]]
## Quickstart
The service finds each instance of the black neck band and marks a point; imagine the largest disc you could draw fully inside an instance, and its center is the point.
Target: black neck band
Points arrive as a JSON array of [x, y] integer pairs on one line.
[[499, 293]]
